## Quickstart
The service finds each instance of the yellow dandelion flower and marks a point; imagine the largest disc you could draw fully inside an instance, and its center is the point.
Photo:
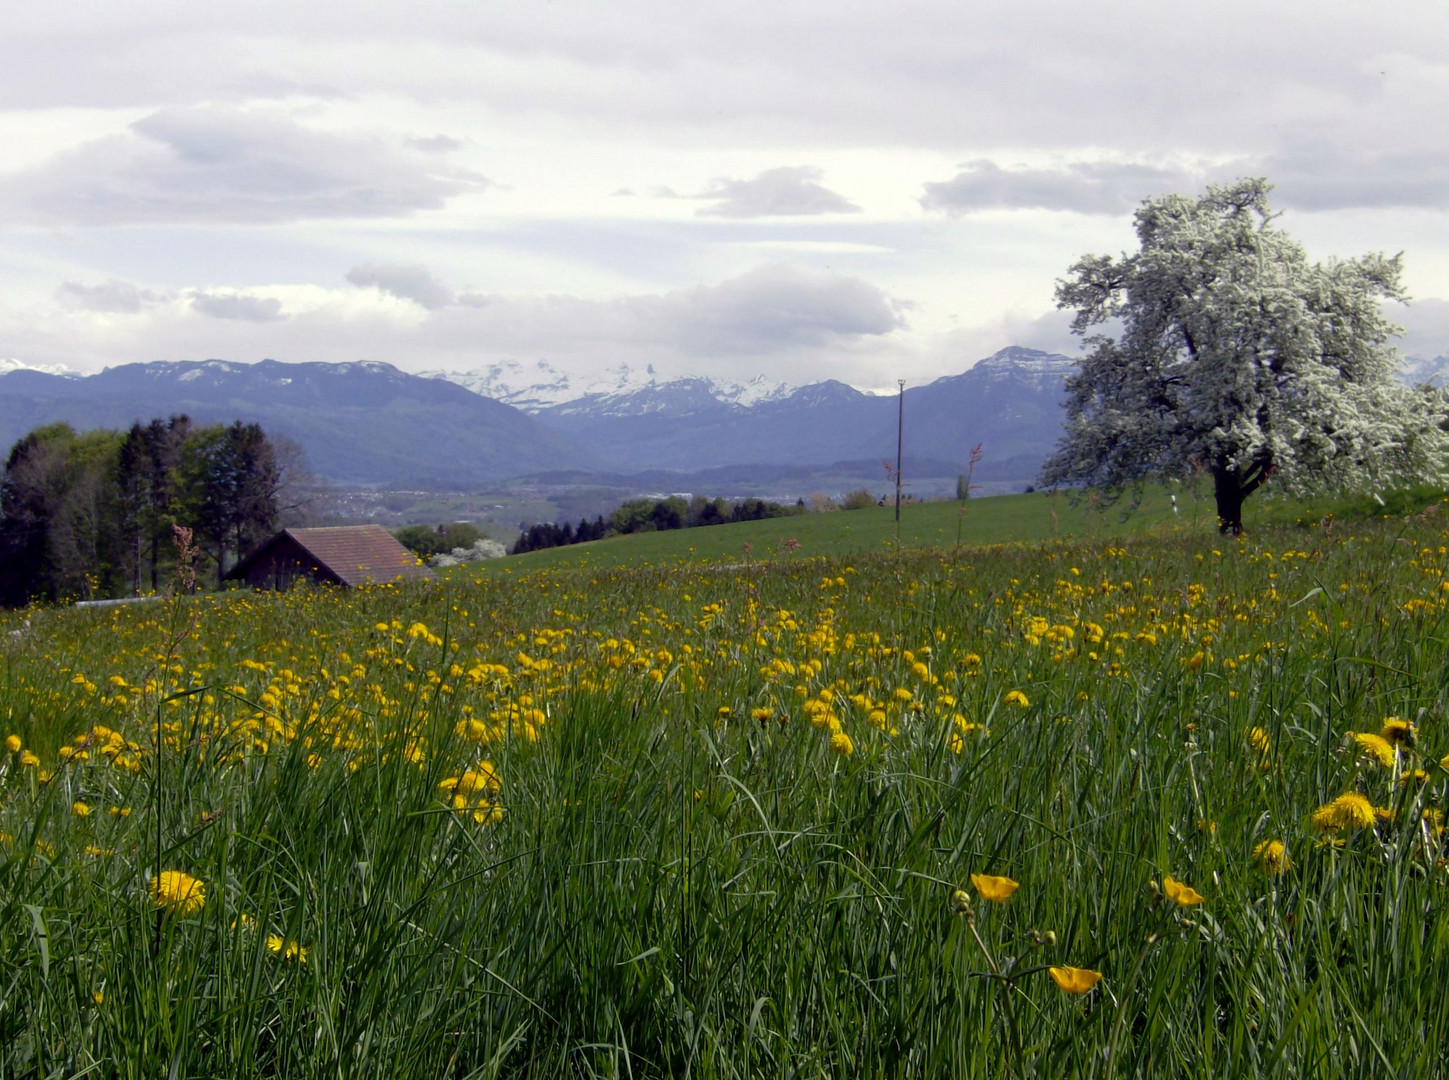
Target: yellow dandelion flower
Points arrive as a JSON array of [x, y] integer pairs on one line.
[[12, 743], [840, 742], [1074, 980], [1271, 857], [1399, 732], [80, 809], [1376, 747], [1180, 894], [1016, 697], [1258, 739], [1349, 811], [993, 888], [287, 950], [177, 892], [30, 761]]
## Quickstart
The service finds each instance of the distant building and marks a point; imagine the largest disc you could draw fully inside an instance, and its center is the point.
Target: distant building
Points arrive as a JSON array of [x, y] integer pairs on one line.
[[348, 555]]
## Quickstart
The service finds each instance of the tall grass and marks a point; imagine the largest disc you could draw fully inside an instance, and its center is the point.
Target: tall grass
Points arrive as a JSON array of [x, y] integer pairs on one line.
[[681, 883]]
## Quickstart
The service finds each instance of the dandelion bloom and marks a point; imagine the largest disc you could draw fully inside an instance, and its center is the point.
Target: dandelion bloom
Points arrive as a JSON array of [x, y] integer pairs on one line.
[[12, 743], [1074, 980], [1016, 697], [287, 950], [80, 809], [178, 893], [841, 744], [1349, 811], [1271, 857], [994, 888], [1180, 894], [1399, 732], [1258, 739], [1376, 747]]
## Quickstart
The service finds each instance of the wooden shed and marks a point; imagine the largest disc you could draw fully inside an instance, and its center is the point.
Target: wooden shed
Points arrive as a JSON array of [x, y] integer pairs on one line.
[[346, 555]]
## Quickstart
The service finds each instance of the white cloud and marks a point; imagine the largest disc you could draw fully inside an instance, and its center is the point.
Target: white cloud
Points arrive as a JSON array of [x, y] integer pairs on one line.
[[229, 166], [786, 191]]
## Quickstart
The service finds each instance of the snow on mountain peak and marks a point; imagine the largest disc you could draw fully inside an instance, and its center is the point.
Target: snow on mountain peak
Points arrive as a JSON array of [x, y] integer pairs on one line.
[[7, 366], [539, 385]]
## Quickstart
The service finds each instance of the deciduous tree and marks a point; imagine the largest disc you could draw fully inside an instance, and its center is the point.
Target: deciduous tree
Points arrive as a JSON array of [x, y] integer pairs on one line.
[[1237, 356]]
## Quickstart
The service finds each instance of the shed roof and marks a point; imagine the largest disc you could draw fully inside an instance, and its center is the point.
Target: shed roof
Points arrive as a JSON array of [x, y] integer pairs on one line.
[[356, 554]]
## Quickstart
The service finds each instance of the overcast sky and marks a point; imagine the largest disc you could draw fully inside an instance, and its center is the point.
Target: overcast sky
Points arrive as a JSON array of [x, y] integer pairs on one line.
[[799, 188]]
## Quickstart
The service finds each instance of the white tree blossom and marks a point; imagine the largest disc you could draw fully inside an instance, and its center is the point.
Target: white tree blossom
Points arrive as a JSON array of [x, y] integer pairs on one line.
[[1238, 357]]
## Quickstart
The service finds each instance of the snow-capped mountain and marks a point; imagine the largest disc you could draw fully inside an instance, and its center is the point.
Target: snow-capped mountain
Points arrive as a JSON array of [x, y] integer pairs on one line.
[[536, 386], [7, 366]]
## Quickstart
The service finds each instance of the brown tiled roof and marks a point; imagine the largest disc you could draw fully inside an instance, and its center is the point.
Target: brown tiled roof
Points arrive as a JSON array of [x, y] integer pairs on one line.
[[357, 554]]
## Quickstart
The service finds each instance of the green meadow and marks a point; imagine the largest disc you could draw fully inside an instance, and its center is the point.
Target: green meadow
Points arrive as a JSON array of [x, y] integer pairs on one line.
[[1026, 788]]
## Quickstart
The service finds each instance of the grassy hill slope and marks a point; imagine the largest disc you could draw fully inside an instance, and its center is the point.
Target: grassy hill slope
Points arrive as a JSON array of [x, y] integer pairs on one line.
[[1028, 518]]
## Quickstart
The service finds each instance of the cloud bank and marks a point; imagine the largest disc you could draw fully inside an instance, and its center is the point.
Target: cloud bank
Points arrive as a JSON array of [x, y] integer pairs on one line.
[[227, 166], [787, 191]]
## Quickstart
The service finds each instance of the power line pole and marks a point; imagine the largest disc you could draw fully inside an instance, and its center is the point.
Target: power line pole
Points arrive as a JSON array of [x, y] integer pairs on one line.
[[900, 433]]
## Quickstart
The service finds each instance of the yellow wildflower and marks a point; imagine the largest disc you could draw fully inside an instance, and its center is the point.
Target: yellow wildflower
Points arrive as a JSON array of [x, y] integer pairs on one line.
[[178, 893], [1375, 746], [1016, 697], [1271, 857], [1399, 732], [288, 950], [1074, 980], [1180, 894], [991, 887], [841, 744], [1349, 811], [80, 809], [12, 743]]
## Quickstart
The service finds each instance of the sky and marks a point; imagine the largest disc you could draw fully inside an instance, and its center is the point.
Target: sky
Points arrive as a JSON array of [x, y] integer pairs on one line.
[[798, 189]]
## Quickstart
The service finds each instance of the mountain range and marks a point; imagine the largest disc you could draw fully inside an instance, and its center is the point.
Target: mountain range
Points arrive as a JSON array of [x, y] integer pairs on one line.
[[370, 424]]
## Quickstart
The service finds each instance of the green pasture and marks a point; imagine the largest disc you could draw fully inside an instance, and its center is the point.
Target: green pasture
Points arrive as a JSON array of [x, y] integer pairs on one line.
[[680, 819]]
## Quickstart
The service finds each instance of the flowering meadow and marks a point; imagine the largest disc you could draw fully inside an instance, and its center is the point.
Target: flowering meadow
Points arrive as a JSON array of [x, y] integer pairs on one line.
[[1169, 805]]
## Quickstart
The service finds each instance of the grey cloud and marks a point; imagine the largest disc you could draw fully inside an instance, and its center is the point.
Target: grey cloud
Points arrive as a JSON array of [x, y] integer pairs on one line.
[[113, 297], [229, 166], [1081, 187], [436, 144], [1310, 176], [774, 305], [789, 190], [413, 283], [773, 309], [1321, 176], [238, 306]]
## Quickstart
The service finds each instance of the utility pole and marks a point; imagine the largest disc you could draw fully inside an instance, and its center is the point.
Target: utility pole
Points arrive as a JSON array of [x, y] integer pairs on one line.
[[900, 433]]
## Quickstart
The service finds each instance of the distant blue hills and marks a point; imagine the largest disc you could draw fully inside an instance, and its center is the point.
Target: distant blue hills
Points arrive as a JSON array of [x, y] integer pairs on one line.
[[368, 423]]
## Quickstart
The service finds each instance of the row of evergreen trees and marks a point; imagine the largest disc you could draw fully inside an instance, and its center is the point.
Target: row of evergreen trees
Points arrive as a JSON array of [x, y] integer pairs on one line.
[[650, 515], [89, 515]]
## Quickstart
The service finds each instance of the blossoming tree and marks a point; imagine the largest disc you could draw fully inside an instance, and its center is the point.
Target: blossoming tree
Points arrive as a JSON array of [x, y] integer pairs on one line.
[[1237, 356]]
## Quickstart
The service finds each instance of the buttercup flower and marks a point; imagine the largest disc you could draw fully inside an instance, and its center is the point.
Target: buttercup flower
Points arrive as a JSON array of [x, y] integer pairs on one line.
[[1073, 980], [1180, 894], [994, 888]]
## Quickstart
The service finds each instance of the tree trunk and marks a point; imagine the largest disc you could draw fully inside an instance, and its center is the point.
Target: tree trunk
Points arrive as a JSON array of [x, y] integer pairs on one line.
[[1230, 494]]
